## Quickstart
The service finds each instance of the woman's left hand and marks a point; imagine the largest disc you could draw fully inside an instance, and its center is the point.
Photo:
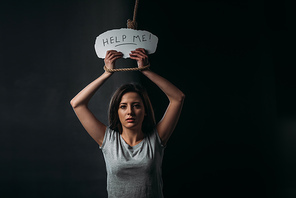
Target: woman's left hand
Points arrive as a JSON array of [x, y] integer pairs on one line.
[[140, 56]]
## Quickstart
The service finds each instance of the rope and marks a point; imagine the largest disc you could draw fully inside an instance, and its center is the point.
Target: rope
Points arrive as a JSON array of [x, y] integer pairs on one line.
[[126, 69], [132, 24]]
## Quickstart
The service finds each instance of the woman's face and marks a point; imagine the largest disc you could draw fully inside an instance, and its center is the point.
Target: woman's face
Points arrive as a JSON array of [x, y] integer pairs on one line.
[[131, 111]]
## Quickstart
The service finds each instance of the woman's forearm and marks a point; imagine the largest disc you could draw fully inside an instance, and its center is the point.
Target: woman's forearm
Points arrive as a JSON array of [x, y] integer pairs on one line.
[[83, 97], [172, 92]]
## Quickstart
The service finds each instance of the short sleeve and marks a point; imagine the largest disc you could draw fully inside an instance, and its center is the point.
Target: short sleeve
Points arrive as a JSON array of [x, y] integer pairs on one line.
[[107, 134], [158, 138]]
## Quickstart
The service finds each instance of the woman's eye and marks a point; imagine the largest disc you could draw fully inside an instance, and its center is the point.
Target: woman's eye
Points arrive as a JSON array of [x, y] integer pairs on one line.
[[137, 106], [123, 107]]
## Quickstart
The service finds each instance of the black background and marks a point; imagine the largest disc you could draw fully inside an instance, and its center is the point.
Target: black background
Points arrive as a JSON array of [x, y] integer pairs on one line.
[[233, 59]]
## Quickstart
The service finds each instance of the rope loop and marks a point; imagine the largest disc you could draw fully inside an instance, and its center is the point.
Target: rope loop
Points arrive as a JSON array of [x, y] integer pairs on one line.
[[132, 24], [126, 69]]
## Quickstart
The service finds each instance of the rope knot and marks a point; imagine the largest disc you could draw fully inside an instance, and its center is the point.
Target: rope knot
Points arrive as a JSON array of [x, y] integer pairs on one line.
[[132, 24]]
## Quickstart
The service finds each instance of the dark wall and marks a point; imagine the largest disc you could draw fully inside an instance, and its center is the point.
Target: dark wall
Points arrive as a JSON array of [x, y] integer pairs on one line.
[[234, 61]]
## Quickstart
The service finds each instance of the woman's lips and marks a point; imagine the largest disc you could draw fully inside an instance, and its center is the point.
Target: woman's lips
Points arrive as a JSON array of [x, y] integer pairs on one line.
[[130, 119]]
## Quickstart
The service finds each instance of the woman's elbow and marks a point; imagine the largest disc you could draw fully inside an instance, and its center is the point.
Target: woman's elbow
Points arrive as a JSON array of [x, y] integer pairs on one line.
[[73, 103], [181, 97]]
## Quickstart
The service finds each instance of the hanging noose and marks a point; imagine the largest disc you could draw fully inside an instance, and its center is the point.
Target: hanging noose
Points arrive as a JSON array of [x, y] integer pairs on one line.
[[132, 24], [108, 40]]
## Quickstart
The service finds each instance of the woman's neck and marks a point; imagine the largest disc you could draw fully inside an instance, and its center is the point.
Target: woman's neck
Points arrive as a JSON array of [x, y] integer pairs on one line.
[[132, 137]]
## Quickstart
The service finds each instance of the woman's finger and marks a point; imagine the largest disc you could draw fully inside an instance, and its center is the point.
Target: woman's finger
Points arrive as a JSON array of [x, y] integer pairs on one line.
[[142, 50], [139, 53], [140, 56], [143, 54], [135, 58], [115, 58], [134, 53], [110, 52]]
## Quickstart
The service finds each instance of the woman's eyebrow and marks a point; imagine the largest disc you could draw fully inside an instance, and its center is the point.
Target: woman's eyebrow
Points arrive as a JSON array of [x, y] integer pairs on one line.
[[131, 103]]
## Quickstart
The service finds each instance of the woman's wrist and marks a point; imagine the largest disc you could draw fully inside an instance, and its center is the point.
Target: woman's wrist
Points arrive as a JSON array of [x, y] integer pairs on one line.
[[146, 72], [107, 73], [108, 70], [145, 68]]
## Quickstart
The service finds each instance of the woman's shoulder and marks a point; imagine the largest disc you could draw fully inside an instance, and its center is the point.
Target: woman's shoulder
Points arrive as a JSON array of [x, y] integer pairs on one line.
[[110, 136], [154, 136]]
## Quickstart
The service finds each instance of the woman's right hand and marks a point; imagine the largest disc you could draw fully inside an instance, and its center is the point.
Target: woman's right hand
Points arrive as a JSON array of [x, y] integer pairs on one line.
[[111, 57]]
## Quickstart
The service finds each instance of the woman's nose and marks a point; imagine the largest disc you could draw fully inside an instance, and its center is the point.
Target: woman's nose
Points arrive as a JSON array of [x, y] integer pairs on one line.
[[130, 110]]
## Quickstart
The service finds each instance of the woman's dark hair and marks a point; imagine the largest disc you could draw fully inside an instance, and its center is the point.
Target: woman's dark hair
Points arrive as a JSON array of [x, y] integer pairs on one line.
[[149, 120]]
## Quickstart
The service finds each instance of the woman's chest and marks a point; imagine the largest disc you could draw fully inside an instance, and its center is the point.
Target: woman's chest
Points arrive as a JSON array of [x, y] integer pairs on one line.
[[125, 161]]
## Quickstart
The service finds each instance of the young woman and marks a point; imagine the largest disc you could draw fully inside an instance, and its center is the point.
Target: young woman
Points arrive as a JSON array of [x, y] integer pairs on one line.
[[132, 144]]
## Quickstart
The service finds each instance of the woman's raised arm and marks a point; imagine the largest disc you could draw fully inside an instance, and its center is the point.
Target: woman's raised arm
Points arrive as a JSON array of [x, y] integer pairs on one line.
[[176, 97], [92, 125]]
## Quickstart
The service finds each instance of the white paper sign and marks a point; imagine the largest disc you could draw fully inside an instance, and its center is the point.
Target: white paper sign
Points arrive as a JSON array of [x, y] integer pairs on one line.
[[125, 40]]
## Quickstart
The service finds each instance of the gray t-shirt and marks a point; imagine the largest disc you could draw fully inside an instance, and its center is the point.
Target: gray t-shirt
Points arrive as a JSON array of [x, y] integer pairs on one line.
[[133, 172]]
